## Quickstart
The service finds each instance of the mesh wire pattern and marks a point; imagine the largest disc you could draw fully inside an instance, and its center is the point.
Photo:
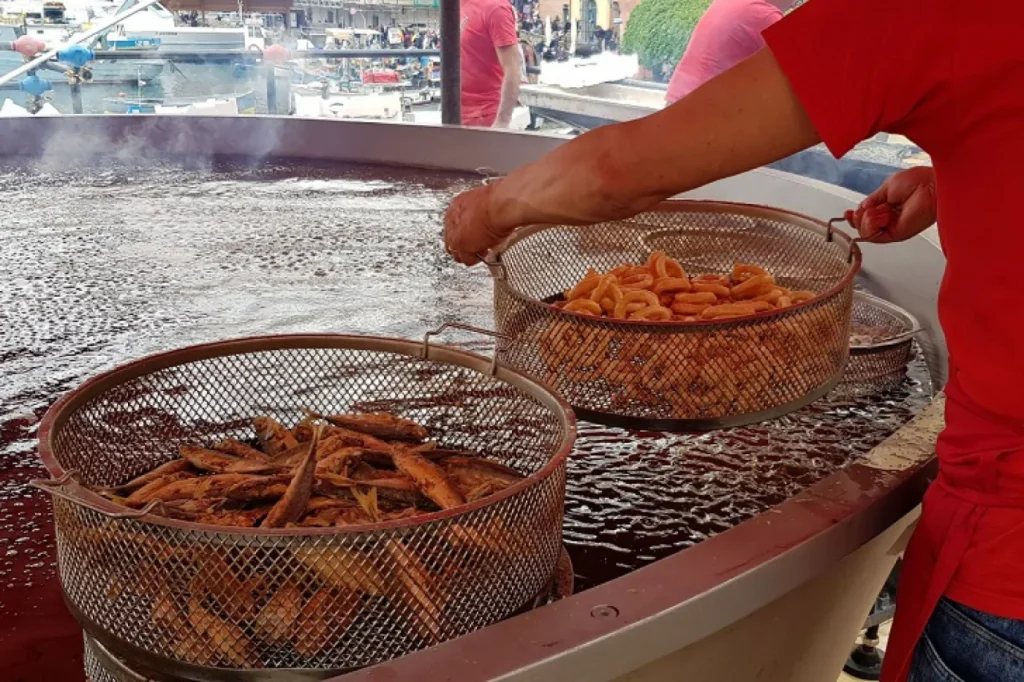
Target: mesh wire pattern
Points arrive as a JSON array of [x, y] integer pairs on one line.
[[884, 361], [690, 375], [305, 598], [96, 669]]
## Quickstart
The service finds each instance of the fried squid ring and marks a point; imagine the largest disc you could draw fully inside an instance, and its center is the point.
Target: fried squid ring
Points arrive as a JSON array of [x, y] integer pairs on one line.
[[801, 296], [727, 310], [652, 314], [697, 297], [671, 285], [601, 290], [711, 279], [586, 285], [754, 285], [719, 290], [637, 281], [689, 308], [637, 299], [583, 306], [772, 296], [662, 266], [741, 272]]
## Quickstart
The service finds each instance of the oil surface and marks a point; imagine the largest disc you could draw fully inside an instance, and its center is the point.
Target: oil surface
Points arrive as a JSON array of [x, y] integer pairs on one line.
[[110, 263]]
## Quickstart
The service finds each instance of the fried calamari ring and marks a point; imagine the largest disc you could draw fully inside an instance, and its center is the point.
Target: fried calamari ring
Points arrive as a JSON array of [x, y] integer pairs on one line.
[[801, 296], [711, 279], [772, 296], [638, 298], [689, 309], [753, 286], [663, 266], [671, 285], [585, 286], [697, 297], [728, 310], [741, 272], [637, 281], [583, 306], [652, 314], [719, 290], [601, 290]]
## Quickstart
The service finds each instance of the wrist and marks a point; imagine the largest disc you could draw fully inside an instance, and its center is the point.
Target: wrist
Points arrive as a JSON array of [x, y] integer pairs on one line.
[[497, 221]]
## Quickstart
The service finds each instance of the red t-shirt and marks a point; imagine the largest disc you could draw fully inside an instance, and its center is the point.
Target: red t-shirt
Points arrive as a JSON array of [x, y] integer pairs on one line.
[[727, 33], [950, 76], [486, 26]]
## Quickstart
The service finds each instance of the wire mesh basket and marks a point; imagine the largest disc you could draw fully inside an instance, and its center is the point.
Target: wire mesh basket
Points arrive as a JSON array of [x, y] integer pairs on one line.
[[881, 342], [670, 375], [189, 599], [103, 666]]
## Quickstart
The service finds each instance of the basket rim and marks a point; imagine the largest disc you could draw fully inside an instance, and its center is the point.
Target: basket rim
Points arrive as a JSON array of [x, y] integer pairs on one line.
[[497, 268], [904, 337], [67, 404]]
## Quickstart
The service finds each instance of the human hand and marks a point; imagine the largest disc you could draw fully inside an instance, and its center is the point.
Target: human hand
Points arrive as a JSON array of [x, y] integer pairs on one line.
[[502, 122], [904, 206], [468, 228]]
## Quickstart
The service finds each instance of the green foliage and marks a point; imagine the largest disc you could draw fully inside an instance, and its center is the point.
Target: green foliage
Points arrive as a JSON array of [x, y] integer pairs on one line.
[[659, 30]]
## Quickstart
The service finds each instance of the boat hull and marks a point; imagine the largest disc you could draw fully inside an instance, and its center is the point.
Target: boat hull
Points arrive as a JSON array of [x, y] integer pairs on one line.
[[103, 71]]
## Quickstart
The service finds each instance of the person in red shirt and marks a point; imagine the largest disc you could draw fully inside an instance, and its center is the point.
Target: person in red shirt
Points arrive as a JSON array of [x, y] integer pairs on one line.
[[727, 33], [490, 63], [949, 76]]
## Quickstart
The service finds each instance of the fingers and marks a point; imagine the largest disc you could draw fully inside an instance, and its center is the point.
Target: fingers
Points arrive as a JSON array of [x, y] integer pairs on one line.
[[902, 207], [875, 223], [467, 233], [879, 196]]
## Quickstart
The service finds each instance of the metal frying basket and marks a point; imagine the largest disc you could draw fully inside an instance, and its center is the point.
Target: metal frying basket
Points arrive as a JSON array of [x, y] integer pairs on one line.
[[192, 600], [671, 375], [884, 358], [102, 666]]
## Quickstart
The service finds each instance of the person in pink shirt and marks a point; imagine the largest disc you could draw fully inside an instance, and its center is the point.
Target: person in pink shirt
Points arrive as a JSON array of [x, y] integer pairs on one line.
[[728, 33], [491, 69]]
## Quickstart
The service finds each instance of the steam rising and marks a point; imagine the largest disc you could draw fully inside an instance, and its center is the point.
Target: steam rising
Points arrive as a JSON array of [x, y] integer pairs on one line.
[[61, 142]]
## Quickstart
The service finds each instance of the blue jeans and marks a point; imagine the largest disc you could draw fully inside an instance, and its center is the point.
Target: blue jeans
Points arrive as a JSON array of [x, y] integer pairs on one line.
[[963, 645]]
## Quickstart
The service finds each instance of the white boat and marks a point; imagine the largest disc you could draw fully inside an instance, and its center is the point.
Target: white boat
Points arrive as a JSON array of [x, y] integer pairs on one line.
[[158, 22], [221, 105], [321, 101]]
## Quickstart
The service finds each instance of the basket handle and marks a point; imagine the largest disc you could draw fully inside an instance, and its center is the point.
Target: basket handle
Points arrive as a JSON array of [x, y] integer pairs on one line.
[[58, 487], [847, 219], [489, 174], [469, 328]]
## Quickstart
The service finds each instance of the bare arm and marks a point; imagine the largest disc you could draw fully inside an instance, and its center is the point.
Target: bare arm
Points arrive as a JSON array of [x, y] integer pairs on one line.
[[509, 58], [744, 118]]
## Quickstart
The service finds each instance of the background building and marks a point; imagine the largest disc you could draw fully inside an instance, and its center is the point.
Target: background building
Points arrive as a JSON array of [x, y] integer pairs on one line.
[[603, 14], [368, 13]]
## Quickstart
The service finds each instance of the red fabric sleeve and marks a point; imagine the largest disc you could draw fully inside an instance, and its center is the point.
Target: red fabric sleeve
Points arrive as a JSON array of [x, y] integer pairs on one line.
[[764, 17], [501, 26], [859, 67]]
